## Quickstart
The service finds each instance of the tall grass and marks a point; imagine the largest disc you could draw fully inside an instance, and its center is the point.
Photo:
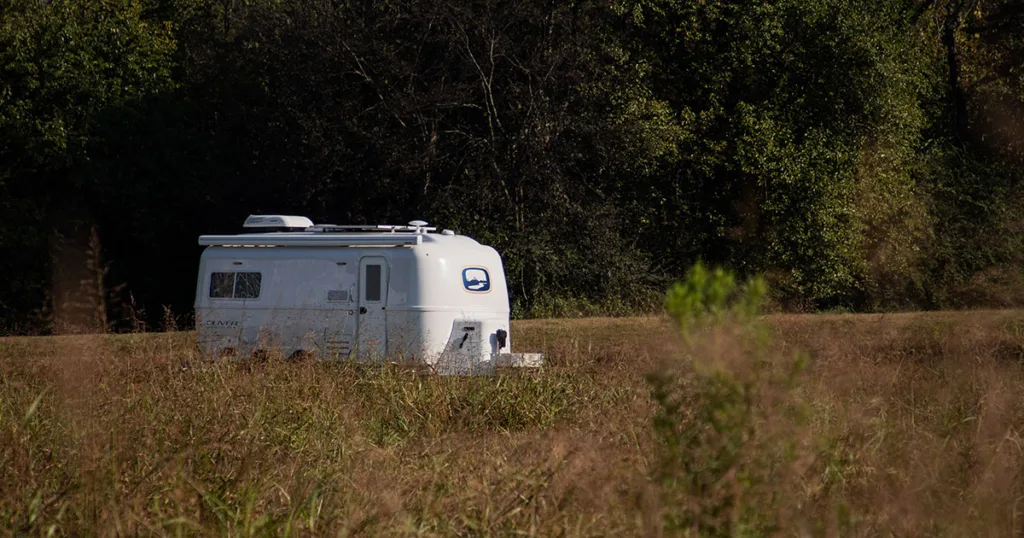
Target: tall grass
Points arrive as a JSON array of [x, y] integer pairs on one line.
[[137, 434], [733, 425]]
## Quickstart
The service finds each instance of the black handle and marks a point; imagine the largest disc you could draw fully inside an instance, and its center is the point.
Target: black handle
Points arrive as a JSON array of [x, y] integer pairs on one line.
[[362, 309]]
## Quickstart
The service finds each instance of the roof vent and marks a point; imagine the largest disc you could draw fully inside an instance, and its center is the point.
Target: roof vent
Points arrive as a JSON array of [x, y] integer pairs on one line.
[[277, 221]]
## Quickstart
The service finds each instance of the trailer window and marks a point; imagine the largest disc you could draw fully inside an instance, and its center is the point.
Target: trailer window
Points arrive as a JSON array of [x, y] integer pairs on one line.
[[222, 285], [372, 291], [235, 285], [247, 285]]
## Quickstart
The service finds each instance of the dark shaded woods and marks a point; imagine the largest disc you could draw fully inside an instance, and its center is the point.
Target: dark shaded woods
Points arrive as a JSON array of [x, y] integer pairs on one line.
[[862, 155]]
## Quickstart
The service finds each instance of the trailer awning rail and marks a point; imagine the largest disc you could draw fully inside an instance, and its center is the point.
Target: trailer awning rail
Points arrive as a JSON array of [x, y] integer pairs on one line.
[[312, 240]]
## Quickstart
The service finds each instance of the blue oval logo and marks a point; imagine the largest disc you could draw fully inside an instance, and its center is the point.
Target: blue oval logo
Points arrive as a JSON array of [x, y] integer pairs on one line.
[[476, 280]]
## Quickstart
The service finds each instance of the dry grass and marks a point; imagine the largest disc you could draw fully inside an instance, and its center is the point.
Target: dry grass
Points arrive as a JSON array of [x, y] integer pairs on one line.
[[913, 429]]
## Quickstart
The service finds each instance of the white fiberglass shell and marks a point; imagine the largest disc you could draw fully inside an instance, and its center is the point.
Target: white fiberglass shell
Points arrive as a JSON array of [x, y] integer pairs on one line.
[[442, 300]]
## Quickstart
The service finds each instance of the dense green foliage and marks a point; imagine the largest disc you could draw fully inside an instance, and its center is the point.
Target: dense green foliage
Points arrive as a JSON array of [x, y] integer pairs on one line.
[[860, 154]]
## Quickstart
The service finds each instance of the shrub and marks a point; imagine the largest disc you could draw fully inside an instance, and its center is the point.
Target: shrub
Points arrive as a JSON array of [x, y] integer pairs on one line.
[[728, 419]]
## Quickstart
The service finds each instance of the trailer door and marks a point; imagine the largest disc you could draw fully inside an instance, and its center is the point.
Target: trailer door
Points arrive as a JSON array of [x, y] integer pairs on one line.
[[373, 297]]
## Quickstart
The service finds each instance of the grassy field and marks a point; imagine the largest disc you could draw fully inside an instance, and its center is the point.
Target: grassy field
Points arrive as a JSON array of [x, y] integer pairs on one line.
[[907, 425]]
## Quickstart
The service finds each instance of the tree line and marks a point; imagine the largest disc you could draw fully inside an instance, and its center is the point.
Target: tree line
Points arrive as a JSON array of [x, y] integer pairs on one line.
[[862, 154]]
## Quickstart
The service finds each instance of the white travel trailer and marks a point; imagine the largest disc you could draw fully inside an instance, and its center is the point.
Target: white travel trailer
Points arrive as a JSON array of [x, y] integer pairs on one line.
[[368, 293]]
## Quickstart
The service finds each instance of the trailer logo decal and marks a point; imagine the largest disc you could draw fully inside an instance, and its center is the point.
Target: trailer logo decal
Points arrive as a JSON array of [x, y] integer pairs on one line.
[[476, 280], [221, 323]]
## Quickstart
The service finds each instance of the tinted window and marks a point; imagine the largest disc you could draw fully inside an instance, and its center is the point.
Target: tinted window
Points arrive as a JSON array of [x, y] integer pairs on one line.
[[222, 285], [372, 290], [247, 285], [228, 285]]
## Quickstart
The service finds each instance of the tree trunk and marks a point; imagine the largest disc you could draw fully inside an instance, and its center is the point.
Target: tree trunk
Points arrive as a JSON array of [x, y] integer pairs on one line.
[[956, 11], [79, 292]]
